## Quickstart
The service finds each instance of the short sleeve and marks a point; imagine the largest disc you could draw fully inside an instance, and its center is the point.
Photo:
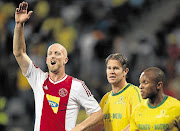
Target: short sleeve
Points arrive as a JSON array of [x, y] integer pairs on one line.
[[86, 99], [35, 76]]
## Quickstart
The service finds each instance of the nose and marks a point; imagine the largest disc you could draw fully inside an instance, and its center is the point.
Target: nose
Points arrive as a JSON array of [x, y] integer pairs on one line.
[[53, 55], [111, 71], [140, 86]]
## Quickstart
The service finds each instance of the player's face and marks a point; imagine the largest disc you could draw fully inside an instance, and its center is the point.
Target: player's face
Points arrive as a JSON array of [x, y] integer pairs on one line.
[[56, 58], [115, 72], [147, 86]]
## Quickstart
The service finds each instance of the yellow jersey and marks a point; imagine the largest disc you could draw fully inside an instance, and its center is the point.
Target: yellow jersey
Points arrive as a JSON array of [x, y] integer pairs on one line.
[[117, 108], [163, 117]]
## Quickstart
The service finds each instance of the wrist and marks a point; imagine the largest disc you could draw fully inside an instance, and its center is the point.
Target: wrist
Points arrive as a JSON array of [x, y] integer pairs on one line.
[[18, 24]]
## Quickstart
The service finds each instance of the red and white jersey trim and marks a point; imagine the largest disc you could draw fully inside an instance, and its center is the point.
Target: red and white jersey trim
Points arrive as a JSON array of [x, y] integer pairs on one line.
[[59, 80]]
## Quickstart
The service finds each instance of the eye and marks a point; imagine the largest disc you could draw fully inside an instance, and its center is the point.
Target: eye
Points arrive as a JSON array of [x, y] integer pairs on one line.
[[57, 53], [144, 82], [116, 68]]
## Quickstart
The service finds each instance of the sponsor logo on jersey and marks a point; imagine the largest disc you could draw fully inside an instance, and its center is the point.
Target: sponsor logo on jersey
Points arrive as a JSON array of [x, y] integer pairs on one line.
[[112, 116], [144, 126], [53, 102], [161, 126], [63, 92], [153, 127]]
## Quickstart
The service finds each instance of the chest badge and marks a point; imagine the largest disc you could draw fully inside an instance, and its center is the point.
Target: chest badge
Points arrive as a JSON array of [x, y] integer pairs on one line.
[[63, 92], [163, 113], [121, 100]]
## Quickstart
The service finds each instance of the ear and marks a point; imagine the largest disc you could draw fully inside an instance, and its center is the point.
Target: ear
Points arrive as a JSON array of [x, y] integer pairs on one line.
[[65, 60], [159, 85], [126, 71]]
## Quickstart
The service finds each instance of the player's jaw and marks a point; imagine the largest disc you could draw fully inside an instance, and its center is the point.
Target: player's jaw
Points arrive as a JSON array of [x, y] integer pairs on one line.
[[147, 93], [53, 65], [143, 94]]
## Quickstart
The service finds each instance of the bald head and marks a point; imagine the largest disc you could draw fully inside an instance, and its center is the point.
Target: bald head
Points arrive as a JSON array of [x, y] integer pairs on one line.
[[156, 74], [56, 58], [59, 47]]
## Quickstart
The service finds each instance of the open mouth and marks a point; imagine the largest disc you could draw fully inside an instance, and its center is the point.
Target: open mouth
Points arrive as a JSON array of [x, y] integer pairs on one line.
[[53, 62]]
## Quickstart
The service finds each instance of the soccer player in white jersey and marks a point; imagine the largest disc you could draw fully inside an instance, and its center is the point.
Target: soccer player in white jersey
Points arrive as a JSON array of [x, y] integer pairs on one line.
[[58, 96], [158, 112]]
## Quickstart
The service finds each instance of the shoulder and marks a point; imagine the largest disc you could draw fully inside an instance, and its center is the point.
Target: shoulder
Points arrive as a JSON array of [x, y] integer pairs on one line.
[[78, 84], [33, 69], [134, 88], [134, 92], [141, 105], [173, 101], [173, 105], [80, 87], [77, 81], [105, 97], [34, 73]]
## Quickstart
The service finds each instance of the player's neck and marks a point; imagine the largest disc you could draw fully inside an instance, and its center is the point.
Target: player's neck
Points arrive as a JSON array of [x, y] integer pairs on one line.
[[57, 76], [117, 87], [156, 100]]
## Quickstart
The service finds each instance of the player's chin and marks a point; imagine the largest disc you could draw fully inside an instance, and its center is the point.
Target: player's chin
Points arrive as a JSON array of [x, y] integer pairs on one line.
[[144, 96], [111, 81], [53, 69]]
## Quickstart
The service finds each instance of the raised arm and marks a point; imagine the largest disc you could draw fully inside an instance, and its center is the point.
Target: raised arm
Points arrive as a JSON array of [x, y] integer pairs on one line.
[[19, 47], [90, 123]]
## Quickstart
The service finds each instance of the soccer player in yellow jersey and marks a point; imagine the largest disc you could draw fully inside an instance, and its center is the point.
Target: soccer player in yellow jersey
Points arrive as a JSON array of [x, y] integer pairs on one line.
[[117, 105], [159, 112]]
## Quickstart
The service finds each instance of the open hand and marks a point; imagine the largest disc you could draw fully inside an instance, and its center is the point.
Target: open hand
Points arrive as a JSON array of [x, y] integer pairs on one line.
[[21, 15]]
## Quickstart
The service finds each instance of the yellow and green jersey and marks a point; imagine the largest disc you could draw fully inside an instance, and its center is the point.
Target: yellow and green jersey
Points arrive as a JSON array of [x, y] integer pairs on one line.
[[163, 117], [117, 108]]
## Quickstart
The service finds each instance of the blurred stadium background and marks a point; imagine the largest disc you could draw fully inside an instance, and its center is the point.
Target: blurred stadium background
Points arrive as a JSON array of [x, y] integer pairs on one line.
[[146, 31]]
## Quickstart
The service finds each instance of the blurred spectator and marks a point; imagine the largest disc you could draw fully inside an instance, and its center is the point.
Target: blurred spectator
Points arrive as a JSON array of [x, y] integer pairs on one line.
[[3, 113], [144, 57]]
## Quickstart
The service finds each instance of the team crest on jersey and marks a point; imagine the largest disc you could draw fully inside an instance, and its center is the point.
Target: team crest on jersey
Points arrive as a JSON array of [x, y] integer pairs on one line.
[[63, 92], [53, 102], [121, 101], [163, 113]]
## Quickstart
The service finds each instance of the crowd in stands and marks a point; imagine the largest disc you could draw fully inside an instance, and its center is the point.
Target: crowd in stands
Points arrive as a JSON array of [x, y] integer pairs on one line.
[[90, 30]]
